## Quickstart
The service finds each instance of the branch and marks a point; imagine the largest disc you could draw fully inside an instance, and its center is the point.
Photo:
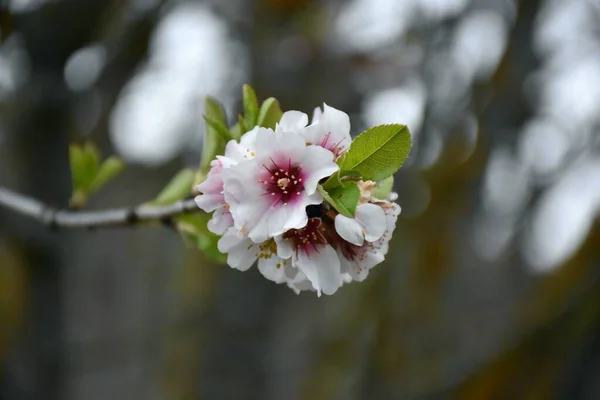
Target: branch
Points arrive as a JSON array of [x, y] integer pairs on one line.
[[91, 219]]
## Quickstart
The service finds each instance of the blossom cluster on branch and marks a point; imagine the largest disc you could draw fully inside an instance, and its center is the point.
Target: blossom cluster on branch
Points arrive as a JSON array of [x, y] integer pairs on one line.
[[313, 206], [287, 198]]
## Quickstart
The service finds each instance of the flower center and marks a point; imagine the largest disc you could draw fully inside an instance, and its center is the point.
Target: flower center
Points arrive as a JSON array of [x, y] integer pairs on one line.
[[308, 238], [284, 183]]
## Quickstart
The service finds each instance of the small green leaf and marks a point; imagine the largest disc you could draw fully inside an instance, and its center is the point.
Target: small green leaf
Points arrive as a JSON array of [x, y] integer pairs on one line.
[[236, 131], [250, 107], [270, 113], [333, 181], [214, 140], [77, 161], [219, 127], [84, 161], [383, 188], [195, 226], [208, 244], [378, 152], [340, 177], [178, 188], [214, 109], [92, 162], [242, 124], [343, 198], [109, 169]]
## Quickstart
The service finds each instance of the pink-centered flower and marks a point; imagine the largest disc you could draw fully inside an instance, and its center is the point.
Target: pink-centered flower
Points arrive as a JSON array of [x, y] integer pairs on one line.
[[357, 260], [212, 197], [329, 129], [268, 195], [312, 254]]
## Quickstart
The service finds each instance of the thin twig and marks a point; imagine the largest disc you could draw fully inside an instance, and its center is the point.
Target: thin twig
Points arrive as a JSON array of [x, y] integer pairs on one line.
[[91, 219]]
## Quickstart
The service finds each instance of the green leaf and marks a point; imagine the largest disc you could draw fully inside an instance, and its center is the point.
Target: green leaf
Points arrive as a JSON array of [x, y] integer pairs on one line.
[[250, 107], [214, 139], [84, 161], [236, 131], [110, 169], [208, 244], [178, 188], [91, 156], [77, 161], [339, 178], [343, 198], [195, 226], [221, 129], [242, 124], [378, 152], [270, 113], [383, 188]]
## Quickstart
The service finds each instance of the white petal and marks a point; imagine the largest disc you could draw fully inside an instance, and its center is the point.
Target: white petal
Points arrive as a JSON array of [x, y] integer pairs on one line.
[[273, 269], [322, 268], [299, 283], [220, 221], [316, 114], [234, 151], [209, 202], [275, 221], [285, 249], [373, 220], [227, 162], [337, 122], [360, 271], [317, 164], [241, 252], [349, 230], [331, 129], [293, 121], [245, 199]]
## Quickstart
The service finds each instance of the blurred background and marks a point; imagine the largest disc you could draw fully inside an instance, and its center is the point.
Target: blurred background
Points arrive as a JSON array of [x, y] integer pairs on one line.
[[491, 288]]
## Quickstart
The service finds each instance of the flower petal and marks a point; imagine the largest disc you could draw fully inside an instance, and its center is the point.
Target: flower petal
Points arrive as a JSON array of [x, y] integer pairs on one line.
[[275, 221], [337, 122], [221, 221], [372, 218], [349, 230], [359, 270], [317, 164], [316, 115], [274, 268], [209, 202], [285, 249], [322, 268], [293, 121], [329, 129], [241, 252]]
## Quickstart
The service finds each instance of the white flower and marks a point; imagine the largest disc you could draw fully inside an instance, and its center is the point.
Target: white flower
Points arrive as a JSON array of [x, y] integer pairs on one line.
[[311, 253], [268, 195], [212, 197], [368, 224], [357, 260], [329, 129]]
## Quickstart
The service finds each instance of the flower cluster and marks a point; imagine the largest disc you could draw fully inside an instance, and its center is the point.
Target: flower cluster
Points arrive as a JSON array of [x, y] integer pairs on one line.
[[266, 203]]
